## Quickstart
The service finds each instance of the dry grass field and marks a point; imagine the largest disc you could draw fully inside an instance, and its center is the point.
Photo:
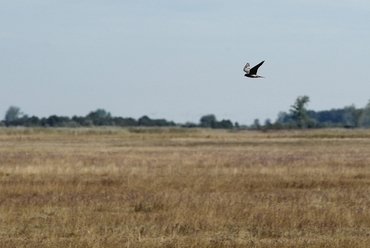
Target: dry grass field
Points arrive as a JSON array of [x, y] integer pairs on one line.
[[174, 187]]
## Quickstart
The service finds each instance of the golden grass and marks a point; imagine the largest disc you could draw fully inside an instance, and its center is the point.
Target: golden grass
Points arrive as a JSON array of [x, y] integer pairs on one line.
[[173, 187]]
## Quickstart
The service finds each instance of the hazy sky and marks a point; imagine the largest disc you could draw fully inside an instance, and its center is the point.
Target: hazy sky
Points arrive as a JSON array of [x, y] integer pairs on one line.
[[180, 60]]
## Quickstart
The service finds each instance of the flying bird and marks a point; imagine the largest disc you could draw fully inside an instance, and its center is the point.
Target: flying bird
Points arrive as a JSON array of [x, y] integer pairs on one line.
[[252, 73]]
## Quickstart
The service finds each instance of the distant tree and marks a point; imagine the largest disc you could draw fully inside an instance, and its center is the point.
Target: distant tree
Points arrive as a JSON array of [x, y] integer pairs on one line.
[[99, 113], [88, 123], [208, 121], [284, 117], [281, 117], [299, 111], [55, 121], [352, 116], [145, 121], [33, 121], [365, 117], [225, 124], [268, 122], [160, 122], [124, 122], [256, 124], [163, 123], [13, 113], [333, 117], [100, 117], [189, 125]]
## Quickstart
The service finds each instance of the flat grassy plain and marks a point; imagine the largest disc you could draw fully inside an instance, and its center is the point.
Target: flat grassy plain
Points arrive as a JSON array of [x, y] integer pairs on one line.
[[173, 187]]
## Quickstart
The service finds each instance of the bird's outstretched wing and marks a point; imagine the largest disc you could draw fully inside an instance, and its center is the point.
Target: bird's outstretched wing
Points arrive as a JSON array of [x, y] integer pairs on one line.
[[255, 68], [247, 68]]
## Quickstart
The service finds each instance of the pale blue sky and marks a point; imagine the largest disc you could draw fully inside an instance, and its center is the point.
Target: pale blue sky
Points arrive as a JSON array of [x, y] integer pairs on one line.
[[180, 60]]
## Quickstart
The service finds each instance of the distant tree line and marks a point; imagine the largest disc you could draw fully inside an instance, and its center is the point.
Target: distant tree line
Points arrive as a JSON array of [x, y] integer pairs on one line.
[[298, 117], [100, 117]]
